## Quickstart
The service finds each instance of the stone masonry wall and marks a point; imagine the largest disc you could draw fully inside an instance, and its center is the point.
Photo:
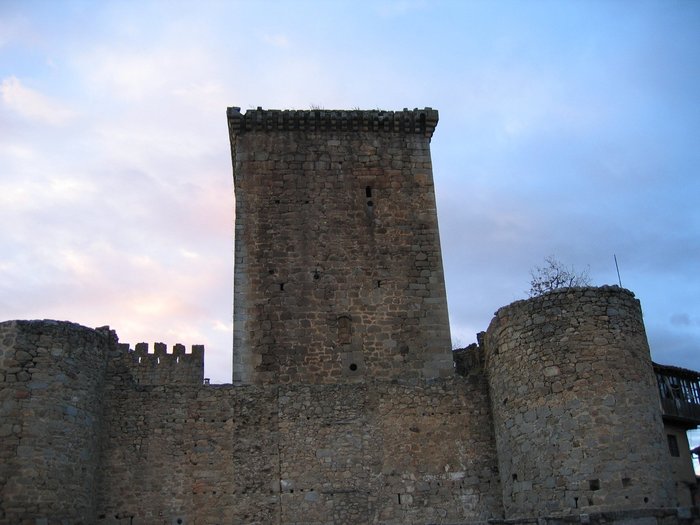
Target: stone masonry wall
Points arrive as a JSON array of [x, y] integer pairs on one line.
[[86, 441], [315, 454], [575, 404], [345, 408], [51, 380], [338, 270]]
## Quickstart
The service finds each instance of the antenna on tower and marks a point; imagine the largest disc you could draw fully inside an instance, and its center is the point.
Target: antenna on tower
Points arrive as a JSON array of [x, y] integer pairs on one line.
[[618, 270]]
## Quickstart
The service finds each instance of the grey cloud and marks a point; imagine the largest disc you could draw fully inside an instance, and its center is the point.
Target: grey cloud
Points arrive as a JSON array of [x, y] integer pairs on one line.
[[680, 319]]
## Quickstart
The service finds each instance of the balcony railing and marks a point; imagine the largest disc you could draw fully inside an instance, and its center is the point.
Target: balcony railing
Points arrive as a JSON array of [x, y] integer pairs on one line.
[[679, 393]]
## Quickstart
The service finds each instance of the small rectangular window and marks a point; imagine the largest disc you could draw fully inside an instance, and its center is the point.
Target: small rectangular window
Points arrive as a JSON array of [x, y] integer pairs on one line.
[[673, 446], [344, 330]]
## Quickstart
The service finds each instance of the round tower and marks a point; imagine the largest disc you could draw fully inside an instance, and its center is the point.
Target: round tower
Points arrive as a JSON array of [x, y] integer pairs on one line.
[[575, 405], [51, 381]]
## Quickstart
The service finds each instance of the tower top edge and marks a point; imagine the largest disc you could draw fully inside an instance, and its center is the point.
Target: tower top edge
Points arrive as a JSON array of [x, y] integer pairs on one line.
[[407, 121], [578, 294]]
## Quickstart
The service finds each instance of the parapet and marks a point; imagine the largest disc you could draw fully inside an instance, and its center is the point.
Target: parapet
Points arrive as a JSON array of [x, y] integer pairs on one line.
[[161, 367], [416, 121]]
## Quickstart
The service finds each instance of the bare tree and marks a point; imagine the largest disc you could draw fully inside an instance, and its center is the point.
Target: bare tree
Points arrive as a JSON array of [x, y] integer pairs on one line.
[[553, 275]]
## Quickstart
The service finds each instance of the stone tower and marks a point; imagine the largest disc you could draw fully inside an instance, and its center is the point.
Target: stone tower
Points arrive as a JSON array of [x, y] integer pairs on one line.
[[52, 377], [575, 405], [338, 271]]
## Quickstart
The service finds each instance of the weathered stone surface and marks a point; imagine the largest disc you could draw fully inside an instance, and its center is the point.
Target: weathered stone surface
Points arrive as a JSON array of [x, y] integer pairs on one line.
[[338, 269], [301, 453], [346, 409], [576, 407], [49, 456]]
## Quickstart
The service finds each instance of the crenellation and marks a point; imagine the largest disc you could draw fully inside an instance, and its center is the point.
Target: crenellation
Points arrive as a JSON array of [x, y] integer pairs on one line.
[[163, 367]]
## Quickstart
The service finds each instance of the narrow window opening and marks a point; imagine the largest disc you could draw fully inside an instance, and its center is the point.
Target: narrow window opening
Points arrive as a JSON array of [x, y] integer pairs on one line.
[[673, 445], [139, 359], [594, 484], [399, 498], [344, 330], [626, 482], [158, 360], [368, 192], [575, 502], [379, 283], [515, 477], [646, 500], [281, 287], [177, 359]]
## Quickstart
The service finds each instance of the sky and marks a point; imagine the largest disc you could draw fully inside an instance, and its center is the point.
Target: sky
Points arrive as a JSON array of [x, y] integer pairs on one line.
[[566, 128]]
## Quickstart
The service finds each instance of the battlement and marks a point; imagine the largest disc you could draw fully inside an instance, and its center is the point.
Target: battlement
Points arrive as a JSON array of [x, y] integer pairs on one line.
[[416, 121], [161, 367]]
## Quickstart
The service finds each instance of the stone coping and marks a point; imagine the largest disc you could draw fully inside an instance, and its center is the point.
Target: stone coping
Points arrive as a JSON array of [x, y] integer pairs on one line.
[[415, 121]]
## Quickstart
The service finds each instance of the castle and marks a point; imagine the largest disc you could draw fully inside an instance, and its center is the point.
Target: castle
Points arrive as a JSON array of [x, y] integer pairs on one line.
[[347, 405]]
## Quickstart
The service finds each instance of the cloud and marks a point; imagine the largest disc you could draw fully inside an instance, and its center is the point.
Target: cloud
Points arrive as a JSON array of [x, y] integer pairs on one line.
[[127, 76], [18, 152], [33, 105], [136, 74], [556, 136], [672, 347], [222, 326], [13, 27], [398, 8], [680, 319], [278, 40]]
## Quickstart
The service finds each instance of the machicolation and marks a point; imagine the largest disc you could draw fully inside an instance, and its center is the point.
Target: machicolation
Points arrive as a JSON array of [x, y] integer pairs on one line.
[[347, 405]]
